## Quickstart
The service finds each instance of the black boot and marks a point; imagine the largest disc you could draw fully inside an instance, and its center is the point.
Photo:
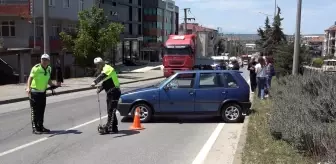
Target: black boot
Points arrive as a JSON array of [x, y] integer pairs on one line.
[[45, 130], [36, 129], [115, 129]]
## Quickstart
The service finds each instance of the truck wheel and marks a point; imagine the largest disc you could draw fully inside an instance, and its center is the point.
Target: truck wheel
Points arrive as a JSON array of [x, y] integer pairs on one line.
[[232, 113], [146, 112]]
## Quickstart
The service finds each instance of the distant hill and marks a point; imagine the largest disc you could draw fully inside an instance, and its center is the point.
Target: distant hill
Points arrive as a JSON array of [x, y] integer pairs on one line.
[[256, 36]]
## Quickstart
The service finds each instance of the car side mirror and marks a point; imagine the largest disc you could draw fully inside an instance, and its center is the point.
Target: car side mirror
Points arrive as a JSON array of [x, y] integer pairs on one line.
[[167, 87]]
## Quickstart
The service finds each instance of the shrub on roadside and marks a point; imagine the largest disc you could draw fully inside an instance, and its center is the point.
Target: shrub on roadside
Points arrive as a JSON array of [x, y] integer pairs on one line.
[[304, 113], [317, 62]]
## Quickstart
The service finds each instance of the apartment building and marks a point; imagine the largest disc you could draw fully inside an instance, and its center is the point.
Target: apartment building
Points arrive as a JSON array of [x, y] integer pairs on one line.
[[329, 41], [22, 27], [160, 19], [21, 24]]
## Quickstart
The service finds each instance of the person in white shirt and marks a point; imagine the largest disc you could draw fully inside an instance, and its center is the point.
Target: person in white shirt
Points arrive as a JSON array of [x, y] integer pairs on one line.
[[260, 69]]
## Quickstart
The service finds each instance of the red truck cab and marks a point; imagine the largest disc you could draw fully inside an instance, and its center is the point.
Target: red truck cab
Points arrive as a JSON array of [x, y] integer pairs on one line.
[[179, 53]]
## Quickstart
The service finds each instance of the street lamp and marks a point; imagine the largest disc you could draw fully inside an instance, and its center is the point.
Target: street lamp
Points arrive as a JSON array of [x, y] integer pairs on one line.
[[295, 70]]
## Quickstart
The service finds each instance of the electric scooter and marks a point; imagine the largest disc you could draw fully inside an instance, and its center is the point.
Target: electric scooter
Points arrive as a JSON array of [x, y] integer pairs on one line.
[[101, 129]]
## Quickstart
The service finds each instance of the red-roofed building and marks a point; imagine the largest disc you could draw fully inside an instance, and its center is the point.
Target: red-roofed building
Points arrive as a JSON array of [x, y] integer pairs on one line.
[[192, 28]]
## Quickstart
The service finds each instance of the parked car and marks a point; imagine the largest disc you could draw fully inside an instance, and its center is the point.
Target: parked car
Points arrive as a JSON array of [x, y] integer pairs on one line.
[[199, 92]]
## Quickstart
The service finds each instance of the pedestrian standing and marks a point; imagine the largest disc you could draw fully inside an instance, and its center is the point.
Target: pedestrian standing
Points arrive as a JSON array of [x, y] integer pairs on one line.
[[260, 70], [270, 72], [59, 74], [253, 75], [111, 86], [37, 84]]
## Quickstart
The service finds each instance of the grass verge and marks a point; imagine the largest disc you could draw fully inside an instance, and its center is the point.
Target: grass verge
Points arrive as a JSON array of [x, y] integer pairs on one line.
[[260, 147]]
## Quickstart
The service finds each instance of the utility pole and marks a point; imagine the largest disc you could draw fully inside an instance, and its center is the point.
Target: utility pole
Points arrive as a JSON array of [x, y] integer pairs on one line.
[[297, 39], [186, 19], [45, 26], [275, 7]]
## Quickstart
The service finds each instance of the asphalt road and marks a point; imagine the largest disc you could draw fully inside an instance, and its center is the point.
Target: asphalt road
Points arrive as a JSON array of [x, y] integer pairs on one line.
[[73, 119]]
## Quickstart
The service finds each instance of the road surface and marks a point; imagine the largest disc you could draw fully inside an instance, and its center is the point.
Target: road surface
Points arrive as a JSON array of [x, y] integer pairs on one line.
[[73, 119]]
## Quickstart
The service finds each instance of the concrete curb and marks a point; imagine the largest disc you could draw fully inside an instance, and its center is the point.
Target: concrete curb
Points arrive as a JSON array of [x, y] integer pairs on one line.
[[2, 102]]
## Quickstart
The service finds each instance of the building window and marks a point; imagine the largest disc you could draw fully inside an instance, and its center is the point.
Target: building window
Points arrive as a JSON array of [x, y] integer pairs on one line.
[[81, 5], [139, 29], [52, 3], [139, 15], [139, 2], [72, 28], [114, 4], [56, 29], [39, 28], [66, 3], [130, 13], [130, 28], [130, 1], [7, 28]]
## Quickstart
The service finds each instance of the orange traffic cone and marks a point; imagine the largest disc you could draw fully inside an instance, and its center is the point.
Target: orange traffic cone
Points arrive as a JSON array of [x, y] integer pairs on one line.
[[136, 122]]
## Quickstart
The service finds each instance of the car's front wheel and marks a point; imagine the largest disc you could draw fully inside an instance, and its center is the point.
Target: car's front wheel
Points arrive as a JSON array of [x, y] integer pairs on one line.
[[232, 113], [146, 112]]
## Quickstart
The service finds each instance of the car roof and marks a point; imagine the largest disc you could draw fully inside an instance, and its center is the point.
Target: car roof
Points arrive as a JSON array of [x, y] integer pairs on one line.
[[210, 71]]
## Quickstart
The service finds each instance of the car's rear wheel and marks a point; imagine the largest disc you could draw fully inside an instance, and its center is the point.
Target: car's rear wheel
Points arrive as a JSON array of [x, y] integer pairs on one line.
[[146, 112], [232, 113]]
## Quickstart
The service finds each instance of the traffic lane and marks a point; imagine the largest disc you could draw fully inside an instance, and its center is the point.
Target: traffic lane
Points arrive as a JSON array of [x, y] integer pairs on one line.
[[170, 140], [15, 127]]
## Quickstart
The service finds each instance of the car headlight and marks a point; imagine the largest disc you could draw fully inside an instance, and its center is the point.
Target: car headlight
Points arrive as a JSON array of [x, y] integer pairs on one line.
[[119, 101]]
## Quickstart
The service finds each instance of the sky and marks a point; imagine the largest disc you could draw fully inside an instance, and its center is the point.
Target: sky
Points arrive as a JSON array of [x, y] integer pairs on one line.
[[245, 16]]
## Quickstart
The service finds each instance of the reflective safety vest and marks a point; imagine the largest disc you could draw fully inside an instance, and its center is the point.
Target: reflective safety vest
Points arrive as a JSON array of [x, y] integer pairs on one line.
[[40, 77], [111, 75]]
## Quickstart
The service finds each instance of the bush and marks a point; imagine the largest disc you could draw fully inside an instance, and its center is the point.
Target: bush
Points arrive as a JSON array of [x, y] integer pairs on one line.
[[317, 62], [260, 147], [304, 113]]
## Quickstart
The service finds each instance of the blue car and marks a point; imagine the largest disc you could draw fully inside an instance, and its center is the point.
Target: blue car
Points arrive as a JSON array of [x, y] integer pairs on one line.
[[199, 92]]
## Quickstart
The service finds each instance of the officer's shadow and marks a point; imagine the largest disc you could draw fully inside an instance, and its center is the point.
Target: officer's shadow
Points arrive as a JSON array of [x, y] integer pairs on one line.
[[126, 133], [53, 133]]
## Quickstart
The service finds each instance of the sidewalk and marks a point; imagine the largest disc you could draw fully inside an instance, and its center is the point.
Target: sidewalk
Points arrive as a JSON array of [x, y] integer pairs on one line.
[[16, 92]]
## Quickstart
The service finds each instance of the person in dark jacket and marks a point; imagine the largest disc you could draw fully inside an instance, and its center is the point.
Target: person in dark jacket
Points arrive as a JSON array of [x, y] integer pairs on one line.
[[235, 65], [59, 74], [253, 75]]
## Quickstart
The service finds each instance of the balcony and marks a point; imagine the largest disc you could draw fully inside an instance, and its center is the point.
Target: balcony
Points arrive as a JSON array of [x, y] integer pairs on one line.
[[55, 43], [15, 8]]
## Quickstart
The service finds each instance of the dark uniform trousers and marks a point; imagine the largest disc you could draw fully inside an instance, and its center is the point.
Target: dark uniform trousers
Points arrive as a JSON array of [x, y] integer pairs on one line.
[[37, 105], [112, 98]]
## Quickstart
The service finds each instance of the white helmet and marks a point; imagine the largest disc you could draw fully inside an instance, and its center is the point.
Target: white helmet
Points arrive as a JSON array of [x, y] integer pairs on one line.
[[98, 60], [45, 56]]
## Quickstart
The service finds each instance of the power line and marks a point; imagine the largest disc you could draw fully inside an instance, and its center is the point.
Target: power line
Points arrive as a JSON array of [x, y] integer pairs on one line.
[[186, 18]]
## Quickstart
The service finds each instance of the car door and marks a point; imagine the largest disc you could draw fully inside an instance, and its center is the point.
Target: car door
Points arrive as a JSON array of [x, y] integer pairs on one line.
[[209, 92], [179, 95], [231, 86]]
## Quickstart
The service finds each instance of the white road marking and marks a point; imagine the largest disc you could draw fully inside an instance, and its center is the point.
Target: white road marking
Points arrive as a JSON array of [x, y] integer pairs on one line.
[[208, 145], [46, 138]]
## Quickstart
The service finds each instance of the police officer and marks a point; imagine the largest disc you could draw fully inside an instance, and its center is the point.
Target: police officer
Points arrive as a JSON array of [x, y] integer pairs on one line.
[[112, 88], [37, 84]]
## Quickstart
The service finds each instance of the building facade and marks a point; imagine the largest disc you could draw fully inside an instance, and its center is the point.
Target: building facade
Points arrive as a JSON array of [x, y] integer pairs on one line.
[[160, 19], [22, 23], [329, 43]]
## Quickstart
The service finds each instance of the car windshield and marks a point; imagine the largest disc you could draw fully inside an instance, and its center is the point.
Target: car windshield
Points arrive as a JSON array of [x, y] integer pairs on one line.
[[178, 51], [160, 83]]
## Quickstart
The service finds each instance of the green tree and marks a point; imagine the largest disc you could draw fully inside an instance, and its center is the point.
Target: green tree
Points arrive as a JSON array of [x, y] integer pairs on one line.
[[283, 57], [264, 35], [95, 36], [276, 35], [271, 36], [221, 46]]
